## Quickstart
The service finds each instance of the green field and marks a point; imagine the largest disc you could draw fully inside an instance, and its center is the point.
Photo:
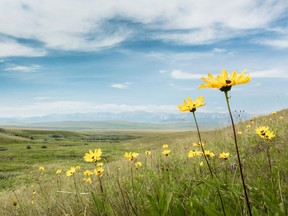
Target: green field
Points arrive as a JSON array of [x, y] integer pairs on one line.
[[163, 185]]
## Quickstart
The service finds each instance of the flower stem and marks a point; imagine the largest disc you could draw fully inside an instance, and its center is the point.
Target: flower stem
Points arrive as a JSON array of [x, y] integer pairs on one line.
[[210, 169], [238, 155], [269, 158], [200, 140]]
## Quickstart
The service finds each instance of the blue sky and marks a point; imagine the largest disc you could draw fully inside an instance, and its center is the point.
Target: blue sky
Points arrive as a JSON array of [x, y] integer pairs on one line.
[[92, 56]]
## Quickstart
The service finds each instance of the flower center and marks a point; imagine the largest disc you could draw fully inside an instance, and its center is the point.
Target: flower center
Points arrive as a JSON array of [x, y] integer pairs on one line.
[[228, 82]]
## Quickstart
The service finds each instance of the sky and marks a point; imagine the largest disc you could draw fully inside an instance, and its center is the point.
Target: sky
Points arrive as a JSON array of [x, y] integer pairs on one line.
[[73, 56]]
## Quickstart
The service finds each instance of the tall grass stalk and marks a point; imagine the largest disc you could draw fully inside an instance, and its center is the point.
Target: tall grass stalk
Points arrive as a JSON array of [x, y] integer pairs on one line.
[[122, 193], [238, 154], [208, 164], [269, 157]]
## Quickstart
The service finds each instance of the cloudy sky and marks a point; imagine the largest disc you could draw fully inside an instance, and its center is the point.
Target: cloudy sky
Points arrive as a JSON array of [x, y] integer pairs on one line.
[[66, 56]]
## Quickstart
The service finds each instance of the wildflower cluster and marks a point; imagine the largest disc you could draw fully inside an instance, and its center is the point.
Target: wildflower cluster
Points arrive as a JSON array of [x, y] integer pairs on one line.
[[131, 155], [193, 153], [166, 151], [72, 171], [224, 83], [93, 157], [265, 133]]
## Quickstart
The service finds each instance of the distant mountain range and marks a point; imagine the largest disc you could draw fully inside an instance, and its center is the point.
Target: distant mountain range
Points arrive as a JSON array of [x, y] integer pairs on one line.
[[109, 120]]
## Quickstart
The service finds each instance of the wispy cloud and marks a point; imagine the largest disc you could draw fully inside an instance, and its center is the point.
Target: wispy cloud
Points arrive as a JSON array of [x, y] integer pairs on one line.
[[199, 36], [178, 74], [22, 68], [281, 43], [121, 85], [61, 25], [271, 73], [162, 71], [12, 48]]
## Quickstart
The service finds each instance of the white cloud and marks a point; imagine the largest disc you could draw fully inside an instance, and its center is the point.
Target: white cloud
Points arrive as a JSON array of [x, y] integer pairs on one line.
[[271, 73], [276, 43], [90, 24], [21, 68], [121, 85], [178, 74], [196, 36], [162, 71], [176, 57], [11, 48], [219, 50]]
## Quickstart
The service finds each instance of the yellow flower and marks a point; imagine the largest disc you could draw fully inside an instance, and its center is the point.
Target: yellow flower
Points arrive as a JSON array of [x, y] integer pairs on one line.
[[209, 154], [261, 130], [71, 171], [99, 164], [131, 155], [138, 164], [93, 156], [148, 152], [223, 82], [193, 153], [99, 171], [87, 173], [269, 135], [265, 133], [190, 105], [14, 202], [34, 193], [58, 171], [166, 152], [41, 168], [77, 167], [224, 155], [87, 180], [198, 144], [239, 132], [165, 146], [248, 126], [273, 113]]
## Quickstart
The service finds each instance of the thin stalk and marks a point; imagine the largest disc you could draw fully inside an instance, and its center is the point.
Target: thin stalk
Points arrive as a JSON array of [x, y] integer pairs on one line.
[[269, 157], [200, 140], [280, 191], [238, 155], [102, 192], [210, 169], [133, 186], [122, 194]]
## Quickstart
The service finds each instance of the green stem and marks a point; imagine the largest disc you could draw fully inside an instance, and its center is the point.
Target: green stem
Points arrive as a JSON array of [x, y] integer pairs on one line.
[[206, 159], [269, 157], [102, 192], [238, 155], [200, 140]]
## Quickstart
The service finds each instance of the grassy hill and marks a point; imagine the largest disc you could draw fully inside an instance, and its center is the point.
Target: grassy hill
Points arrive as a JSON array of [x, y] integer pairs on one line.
[[163, 185]]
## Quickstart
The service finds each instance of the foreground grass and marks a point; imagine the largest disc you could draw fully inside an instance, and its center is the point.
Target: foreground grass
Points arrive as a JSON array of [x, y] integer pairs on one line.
[[163, 185]]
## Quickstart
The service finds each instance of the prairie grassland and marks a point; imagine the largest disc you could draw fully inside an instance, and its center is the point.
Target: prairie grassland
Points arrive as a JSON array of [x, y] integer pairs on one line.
[[164, 184]]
